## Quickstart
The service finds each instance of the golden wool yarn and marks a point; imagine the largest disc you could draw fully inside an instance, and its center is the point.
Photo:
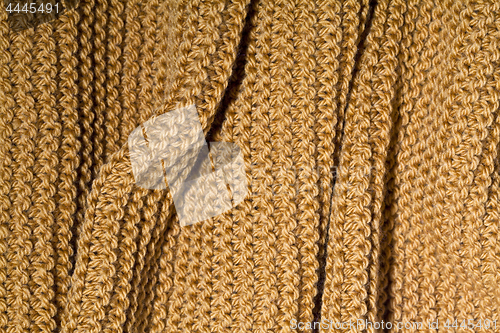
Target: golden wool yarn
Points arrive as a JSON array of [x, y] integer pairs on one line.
[[370, 132]]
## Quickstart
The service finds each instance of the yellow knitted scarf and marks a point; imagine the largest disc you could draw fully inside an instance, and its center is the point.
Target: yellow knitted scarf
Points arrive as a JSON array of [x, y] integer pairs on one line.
[[369, 132]]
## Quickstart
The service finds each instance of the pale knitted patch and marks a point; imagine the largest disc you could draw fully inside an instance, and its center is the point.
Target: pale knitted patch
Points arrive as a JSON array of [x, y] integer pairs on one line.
[[170, 150]]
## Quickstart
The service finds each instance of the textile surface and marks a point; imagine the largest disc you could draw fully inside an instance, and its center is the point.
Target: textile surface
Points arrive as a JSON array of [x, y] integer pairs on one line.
[[369, 132]]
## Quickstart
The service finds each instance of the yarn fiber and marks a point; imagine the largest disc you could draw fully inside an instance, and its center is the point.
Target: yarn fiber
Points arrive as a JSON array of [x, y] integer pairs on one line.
[[370, 133]]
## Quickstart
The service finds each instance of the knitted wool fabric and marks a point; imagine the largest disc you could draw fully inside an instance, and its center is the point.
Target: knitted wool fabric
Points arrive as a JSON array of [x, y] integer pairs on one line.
[[370, 135]]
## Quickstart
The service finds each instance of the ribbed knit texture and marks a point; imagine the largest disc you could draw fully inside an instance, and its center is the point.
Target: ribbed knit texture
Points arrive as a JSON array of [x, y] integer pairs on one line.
[[370, 132]]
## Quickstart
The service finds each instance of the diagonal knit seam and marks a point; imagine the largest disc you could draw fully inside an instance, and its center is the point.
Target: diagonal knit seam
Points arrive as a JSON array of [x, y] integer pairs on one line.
[[318, 300]]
